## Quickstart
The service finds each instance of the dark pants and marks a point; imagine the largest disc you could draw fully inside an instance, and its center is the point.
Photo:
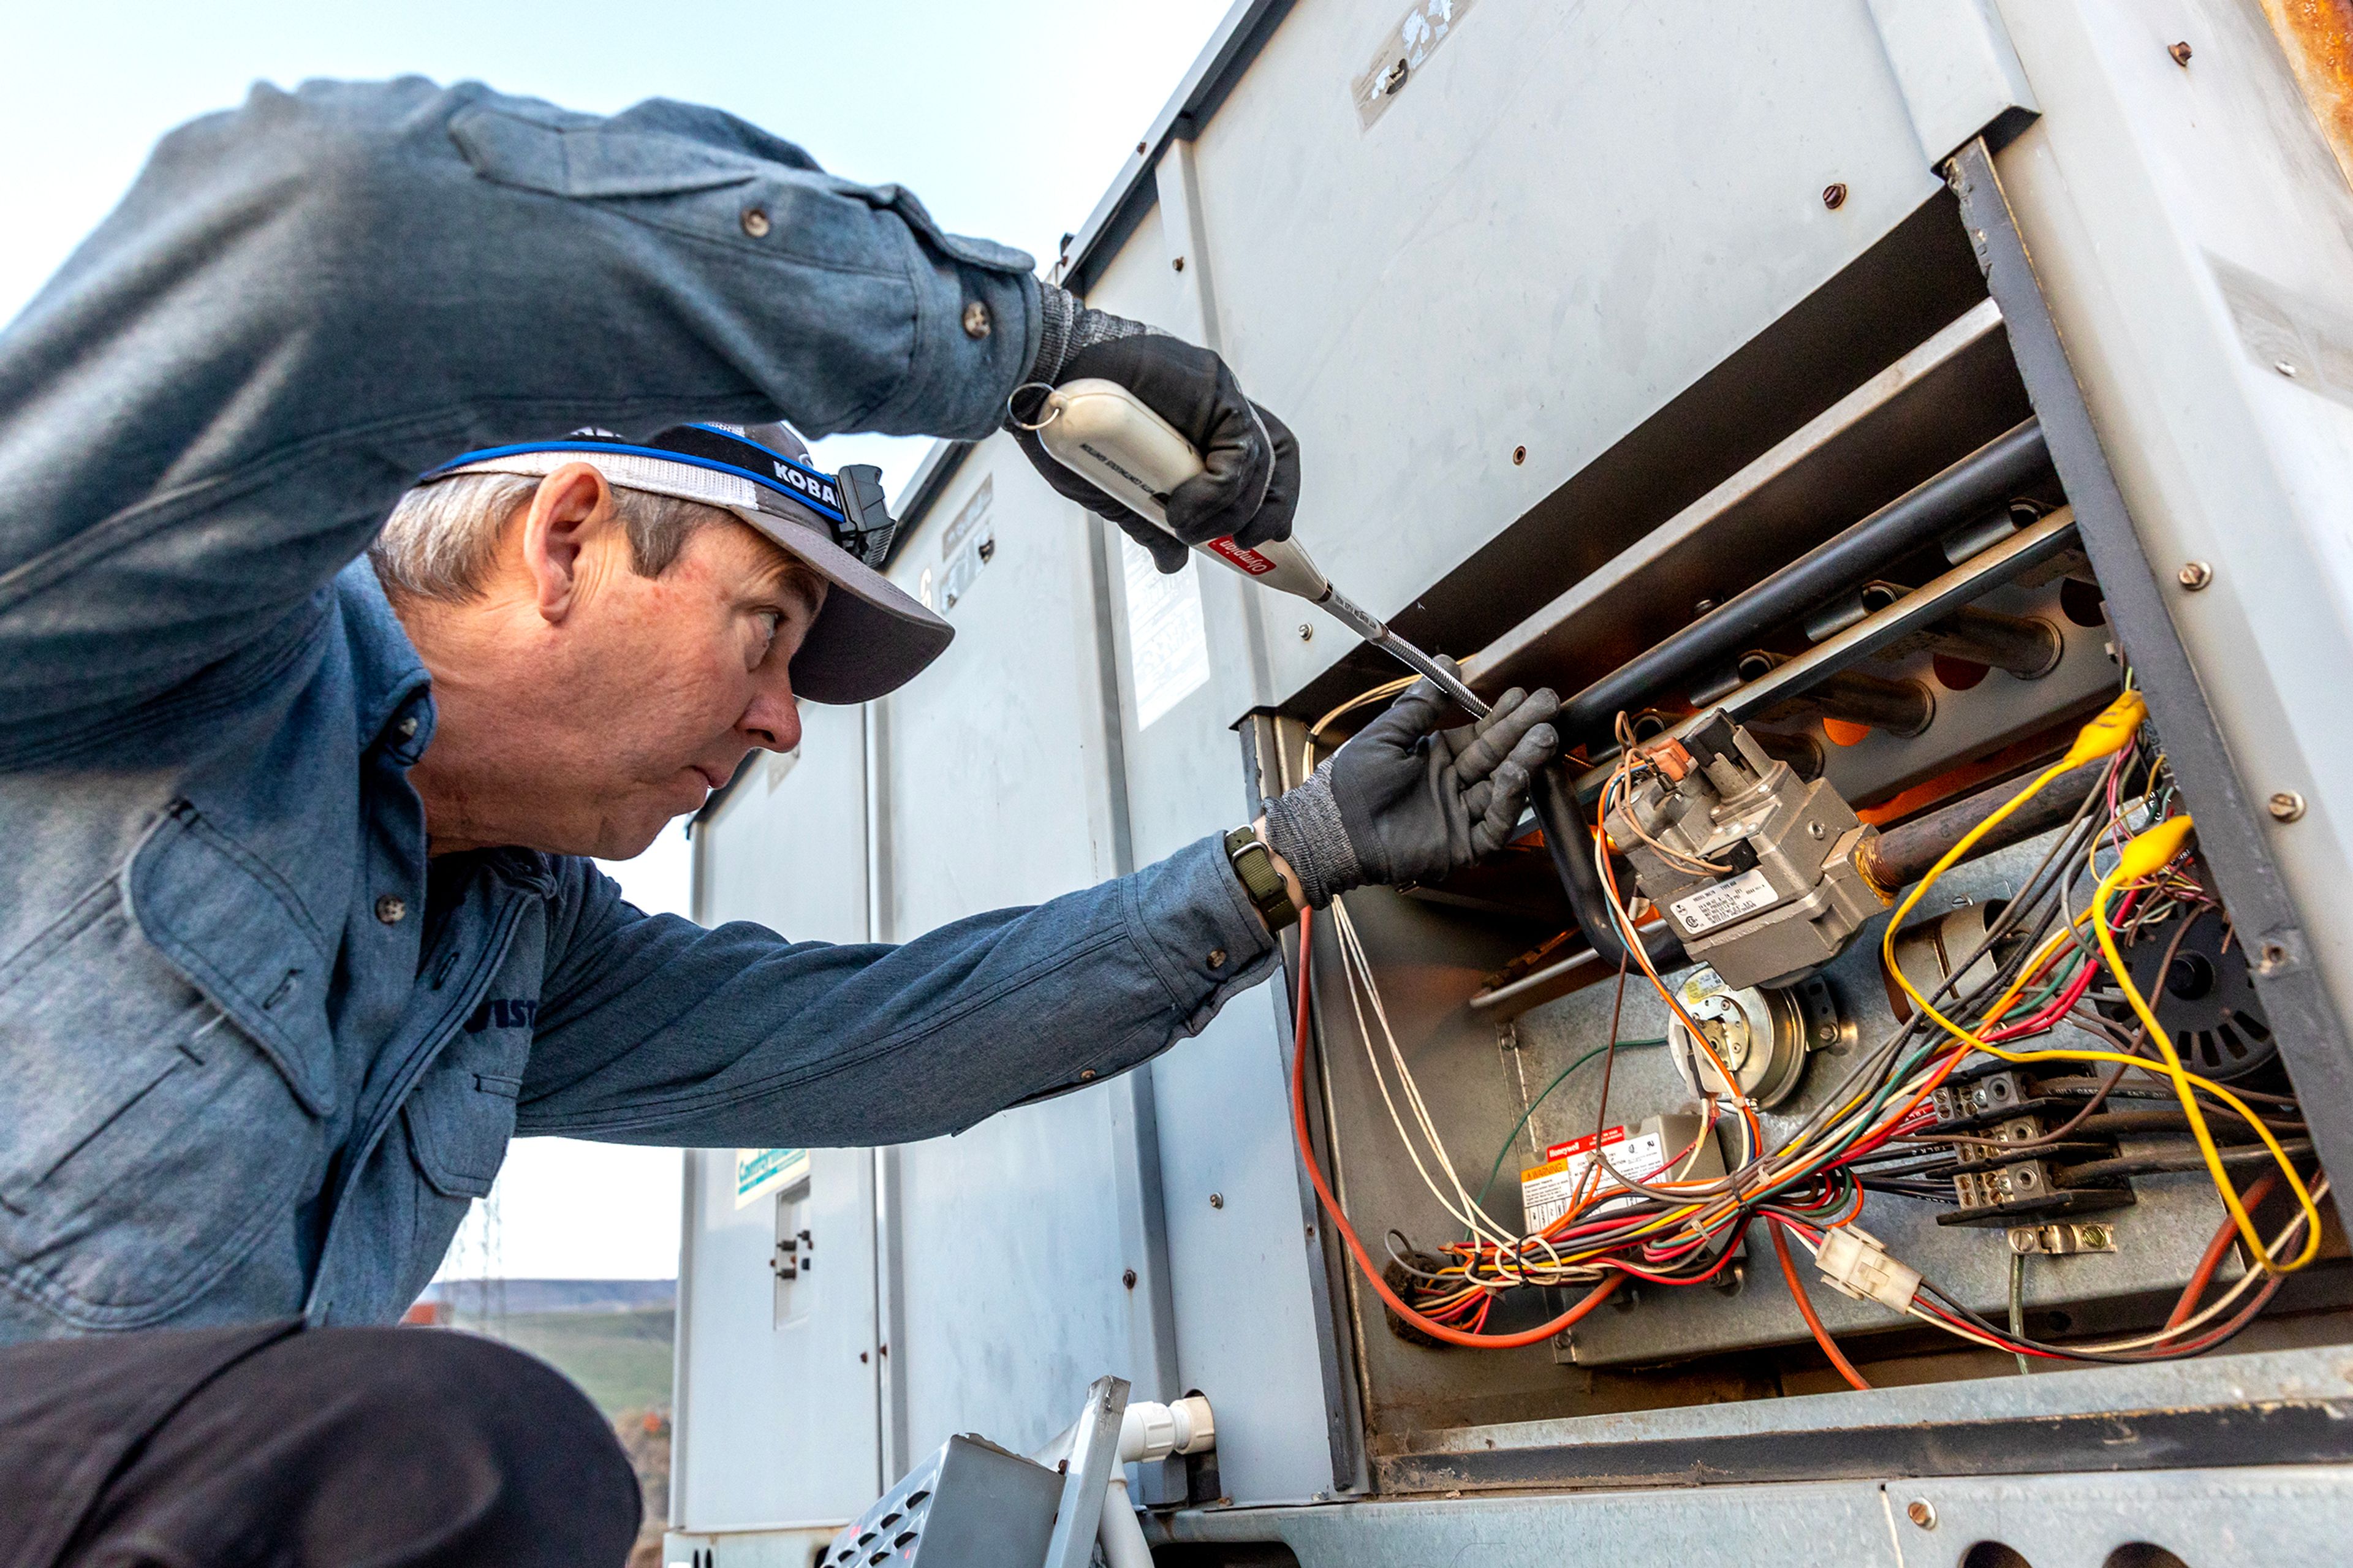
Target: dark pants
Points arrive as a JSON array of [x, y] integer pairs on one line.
[[273, 1446]]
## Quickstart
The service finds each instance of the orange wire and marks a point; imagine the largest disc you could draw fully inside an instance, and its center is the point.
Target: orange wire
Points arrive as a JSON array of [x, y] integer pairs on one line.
[[1806, 1310]]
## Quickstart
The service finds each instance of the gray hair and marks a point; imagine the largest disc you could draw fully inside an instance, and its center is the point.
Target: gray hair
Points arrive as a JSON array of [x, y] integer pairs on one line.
[[439, 542]]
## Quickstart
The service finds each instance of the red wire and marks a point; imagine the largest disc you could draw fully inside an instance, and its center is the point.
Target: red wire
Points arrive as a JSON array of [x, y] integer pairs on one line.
[[1429, 1326]]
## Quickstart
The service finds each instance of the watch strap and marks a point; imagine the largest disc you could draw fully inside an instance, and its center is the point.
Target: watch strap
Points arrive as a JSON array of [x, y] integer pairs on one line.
[[1254, 864]]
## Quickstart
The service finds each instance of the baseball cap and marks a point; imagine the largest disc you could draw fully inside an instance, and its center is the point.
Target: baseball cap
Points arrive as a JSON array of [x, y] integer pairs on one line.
[[869, 638]]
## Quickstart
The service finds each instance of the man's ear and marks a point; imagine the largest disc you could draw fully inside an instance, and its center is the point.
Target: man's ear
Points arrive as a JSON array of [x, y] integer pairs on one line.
[[570, 507]]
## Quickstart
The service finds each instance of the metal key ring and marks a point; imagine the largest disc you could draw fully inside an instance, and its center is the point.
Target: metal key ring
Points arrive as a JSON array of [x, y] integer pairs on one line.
[[1016, 421]]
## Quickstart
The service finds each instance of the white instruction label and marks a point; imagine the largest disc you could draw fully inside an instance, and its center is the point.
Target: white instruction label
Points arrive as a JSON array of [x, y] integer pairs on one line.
[[1547, 1190], [1717, 903], [1167, 643]]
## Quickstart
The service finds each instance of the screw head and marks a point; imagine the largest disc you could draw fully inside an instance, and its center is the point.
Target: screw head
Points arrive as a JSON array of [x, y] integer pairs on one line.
[[1306, 632], [756, 222], [1177, 264], [2095, 1235], [2285, 804], [2194, 576], [1922, 1512], [1815, 830], [1217, 1199], [1519, 456], [2180, 53], [1127, 1277], [1834, 195]]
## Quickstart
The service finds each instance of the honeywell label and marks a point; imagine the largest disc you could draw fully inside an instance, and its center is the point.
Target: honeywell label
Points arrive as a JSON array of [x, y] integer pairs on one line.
[[1243, 556], [1717, 903], [1547, 1190]]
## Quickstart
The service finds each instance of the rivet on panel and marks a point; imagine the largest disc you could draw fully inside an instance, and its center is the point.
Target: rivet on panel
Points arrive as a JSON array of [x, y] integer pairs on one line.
[[1519, 456], [1217, 1199], [1177, 263], [2286, 805], [2180, 53], [1922, 1512], [1834, 195], [2194, 576], [1306, 632]]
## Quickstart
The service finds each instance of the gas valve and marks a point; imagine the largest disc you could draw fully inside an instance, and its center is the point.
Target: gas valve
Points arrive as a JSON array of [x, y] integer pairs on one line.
[[1754, 866]]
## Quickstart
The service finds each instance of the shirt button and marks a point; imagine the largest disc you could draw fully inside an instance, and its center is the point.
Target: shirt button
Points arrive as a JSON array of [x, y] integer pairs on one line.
[[390, 908], [756, 222], [1217, 958], [408, 728], [977, 323]]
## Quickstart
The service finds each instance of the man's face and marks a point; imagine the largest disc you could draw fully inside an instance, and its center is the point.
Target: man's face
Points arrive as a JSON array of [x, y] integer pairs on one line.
[[597, 704]]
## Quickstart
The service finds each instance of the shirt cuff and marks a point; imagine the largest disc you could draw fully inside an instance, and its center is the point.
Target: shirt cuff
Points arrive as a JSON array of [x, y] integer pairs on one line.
[[1194, 922]]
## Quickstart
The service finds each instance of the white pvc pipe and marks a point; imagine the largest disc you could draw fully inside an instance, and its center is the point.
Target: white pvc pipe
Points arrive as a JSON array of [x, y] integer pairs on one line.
[[1121, 1535]]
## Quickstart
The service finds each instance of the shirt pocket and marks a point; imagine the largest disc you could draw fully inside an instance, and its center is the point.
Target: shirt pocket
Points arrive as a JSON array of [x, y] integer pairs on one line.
[[146, 1143], [461, 1118]]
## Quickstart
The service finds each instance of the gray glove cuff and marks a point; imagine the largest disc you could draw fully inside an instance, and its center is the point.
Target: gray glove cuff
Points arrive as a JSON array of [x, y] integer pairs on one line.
[[1304, 826], [1065, 327]]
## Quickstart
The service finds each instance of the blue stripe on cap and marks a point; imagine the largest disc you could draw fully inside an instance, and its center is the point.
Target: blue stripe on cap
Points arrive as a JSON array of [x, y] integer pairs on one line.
[[659, 455]]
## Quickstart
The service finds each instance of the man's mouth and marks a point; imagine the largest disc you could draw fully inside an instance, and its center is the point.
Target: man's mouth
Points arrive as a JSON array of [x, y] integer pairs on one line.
[[710, 781]]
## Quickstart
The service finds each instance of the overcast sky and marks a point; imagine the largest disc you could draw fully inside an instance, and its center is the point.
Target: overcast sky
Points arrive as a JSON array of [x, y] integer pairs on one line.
[[1008, 120]]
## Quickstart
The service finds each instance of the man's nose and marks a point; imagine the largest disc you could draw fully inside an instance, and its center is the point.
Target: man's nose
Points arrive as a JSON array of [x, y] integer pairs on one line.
[[773, 719]]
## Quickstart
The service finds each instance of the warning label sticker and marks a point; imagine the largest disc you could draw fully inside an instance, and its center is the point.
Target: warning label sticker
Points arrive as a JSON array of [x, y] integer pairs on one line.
[[1547, 1190], [1719, 903]]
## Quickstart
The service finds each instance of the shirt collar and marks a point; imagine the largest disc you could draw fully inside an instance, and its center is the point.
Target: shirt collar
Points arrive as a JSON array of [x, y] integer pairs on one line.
[[393, 690]]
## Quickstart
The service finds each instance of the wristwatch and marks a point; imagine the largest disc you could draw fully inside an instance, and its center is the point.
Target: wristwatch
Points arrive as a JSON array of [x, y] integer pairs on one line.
[[1253, 862]]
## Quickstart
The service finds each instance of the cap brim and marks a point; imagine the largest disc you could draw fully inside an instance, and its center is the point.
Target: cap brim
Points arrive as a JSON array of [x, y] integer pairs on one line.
[[871, 637]]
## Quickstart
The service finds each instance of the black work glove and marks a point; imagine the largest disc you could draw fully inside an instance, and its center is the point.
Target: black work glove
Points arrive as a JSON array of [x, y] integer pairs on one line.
[[1403, 802], [1250, 484]]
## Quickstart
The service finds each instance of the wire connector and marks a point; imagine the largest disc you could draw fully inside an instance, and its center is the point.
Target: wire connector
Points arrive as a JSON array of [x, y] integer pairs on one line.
[[1854, 1264]]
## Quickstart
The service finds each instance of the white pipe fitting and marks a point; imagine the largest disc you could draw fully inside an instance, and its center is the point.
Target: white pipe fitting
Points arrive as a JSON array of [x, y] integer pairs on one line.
[[1150, 1431]]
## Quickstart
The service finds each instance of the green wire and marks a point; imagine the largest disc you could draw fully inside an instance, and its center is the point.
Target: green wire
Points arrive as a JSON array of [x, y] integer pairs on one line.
[[1513, 1136]]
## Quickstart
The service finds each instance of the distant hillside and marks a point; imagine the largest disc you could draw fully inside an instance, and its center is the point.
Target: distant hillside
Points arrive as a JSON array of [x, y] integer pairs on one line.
[[621, 1359], [471, 1299]]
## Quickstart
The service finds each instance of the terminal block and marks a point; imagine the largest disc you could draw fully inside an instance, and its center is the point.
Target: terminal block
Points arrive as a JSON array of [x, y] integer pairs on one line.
[[1789, 895]]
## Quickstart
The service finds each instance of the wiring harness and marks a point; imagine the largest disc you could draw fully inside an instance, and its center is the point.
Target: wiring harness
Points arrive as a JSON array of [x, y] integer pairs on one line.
[[2102, 884]]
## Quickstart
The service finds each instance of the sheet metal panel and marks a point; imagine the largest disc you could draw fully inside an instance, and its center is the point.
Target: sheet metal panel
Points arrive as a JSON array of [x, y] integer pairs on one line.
[[993, 791], [1221, 1098], [776, 1416], [1569, 215]]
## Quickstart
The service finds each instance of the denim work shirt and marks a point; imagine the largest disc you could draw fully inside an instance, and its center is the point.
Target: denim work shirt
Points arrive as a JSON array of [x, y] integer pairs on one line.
[[256, 1053]]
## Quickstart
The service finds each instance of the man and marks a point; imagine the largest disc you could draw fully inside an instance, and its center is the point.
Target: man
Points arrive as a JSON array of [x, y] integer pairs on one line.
[[295, 929]]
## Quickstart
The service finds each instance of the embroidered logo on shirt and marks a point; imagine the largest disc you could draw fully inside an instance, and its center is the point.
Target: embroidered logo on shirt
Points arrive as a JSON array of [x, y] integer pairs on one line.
[[504, 1013]]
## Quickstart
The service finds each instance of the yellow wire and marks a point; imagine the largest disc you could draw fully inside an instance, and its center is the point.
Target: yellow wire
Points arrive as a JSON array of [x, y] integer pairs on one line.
[[2145, 855], [2163, 842]]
